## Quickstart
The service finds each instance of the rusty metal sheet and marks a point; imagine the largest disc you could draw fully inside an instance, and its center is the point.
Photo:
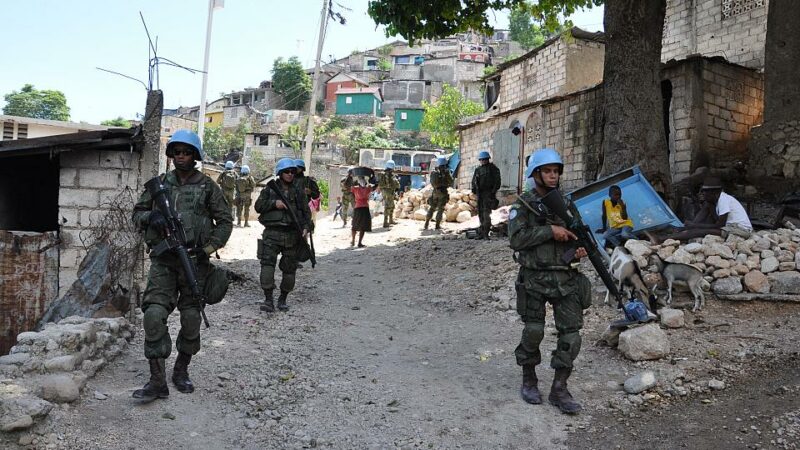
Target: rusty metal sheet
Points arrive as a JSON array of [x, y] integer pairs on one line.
[[28, 281]]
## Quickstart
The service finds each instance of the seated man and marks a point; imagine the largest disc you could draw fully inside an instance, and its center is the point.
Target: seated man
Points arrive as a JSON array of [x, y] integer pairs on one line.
[[721, 214], [617, 226]]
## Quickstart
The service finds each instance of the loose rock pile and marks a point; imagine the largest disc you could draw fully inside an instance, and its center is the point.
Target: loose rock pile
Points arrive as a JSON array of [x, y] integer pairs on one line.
[[461, 206], [53, 365], [768, 262]]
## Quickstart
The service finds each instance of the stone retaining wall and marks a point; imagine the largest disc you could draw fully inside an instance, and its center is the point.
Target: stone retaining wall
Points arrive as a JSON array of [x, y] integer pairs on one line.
[[53, 365]]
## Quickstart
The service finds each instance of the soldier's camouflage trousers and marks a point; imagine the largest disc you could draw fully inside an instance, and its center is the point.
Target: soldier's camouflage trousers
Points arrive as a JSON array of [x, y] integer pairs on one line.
[[243, 208], [167, 289], [388, 205], [229, 197], [345, 208], [569, 293], [437, 203], [278, 241]]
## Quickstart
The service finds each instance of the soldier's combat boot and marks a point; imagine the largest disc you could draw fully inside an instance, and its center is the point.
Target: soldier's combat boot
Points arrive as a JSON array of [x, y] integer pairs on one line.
[[560, 396], [282, 301], [438, 225], [427, 222], [239, 222], [157, 386], [246, 225], [385, 222], [530, 385], [180, 373], [268, 306]]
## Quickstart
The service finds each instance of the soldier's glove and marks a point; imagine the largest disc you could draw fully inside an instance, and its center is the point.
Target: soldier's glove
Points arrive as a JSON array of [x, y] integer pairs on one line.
[[200, 251], [157, 220]]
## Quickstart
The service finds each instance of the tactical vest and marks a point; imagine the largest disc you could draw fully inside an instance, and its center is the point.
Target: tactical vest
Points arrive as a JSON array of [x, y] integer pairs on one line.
[[279, 217], [227, 181], [192, 205], [547, 255], [439, 181], [245, 185]]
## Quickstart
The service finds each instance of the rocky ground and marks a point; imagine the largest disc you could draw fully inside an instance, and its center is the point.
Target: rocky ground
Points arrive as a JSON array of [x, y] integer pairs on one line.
[[409, 343]]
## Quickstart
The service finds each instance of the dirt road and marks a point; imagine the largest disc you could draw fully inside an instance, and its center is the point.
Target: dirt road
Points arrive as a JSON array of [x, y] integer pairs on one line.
[[408, 343]]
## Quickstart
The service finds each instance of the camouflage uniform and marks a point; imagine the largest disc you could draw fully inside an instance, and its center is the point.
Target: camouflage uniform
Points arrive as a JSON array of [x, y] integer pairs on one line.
[[208, 223], [280, 235], [485, 184], [227, 181], [545, 278], [388, 185], [347, 196], [310, 188], [440, 180], [244, 198]]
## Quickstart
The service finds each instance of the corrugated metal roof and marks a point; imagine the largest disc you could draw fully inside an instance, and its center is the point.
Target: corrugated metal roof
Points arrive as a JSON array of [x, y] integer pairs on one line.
[[111, 139]]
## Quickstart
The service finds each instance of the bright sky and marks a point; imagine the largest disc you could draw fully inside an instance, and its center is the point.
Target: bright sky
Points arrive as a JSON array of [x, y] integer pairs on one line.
[[56, 44]]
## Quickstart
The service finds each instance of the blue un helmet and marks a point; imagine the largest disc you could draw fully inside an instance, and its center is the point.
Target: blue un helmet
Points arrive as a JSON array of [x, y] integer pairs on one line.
[[187, 137], [228, 165], [441, 161], [543, 157], [283, 164], [300, 164], [484, 155], [389, 165], [245, 170]]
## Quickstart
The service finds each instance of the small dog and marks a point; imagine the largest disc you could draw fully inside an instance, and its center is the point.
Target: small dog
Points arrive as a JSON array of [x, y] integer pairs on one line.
[[626, 271], [679, 273]]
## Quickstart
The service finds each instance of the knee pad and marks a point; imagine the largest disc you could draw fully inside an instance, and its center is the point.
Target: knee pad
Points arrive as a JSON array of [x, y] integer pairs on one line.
[[533, 332], [155, 322], [190, 323]]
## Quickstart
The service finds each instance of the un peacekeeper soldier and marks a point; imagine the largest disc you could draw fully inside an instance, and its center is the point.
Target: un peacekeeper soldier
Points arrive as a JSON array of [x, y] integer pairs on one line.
[[347, 184], [539, 239], [308, 184], [207, 219], [388, 185], [227, 181], [440, 180], [485, 184], [245, 184], [280, 235]]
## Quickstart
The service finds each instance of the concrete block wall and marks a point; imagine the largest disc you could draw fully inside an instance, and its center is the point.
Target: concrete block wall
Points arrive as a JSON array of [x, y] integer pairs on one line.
[[573, 126], [734, 101], [89, 182], [733, 29], [536, 78]]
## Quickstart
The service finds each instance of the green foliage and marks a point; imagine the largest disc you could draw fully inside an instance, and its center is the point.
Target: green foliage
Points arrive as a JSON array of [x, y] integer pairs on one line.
[[442, 117], [523, 30], [324, 189], [258, 166], [424, 19], [30, 102], [118, 122], [291, 81], [384, 64], [355, 138], [218, 142], [384, 50], [489, 70]]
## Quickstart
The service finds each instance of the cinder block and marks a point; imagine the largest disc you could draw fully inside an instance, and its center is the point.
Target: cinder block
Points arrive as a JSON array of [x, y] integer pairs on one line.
[[80, 159], [69, 217], [67, 177], [86, 198], [117, 160]]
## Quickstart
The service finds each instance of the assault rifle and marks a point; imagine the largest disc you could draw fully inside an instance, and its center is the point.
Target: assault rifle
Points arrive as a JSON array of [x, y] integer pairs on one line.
[[572, 218], [175, 240], [306, 250]]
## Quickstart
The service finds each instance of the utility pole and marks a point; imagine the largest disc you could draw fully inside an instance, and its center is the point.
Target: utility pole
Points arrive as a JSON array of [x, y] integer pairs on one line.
[[201, 118], [313, 104]]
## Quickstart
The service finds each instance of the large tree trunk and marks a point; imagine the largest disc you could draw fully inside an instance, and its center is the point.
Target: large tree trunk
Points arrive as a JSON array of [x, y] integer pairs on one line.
[[774, 147], [634, 126]]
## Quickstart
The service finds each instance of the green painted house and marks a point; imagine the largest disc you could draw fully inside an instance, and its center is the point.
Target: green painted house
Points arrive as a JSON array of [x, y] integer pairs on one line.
[[359, 101], [408, 119]]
